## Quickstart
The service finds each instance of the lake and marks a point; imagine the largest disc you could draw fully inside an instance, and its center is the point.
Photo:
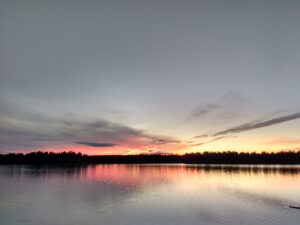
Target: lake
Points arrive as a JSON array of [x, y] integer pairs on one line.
[[149, 194]]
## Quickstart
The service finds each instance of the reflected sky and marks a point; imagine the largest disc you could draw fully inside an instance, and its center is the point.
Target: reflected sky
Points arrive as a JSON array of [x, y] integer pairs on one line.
[[149, 194]]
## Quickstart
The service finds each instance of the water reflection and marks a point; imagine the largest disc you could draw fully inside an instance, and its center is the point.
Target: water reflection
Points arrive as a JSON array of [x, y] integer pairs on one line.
[[149, 194], [116, 171]]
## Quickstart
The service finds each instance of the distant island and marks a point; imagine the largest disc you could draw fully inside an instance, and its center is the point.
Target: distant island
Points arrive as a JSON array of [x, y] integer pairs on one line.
[[228, 157]]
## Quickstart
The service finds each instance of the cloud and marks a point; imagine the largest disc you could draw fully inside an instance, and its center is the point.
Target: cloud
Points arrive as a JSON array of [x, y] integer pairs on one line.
[[203, 110], [162, 141], [250, 126], [213, 140], [154, 152], [226, 108], [96, 144], [68, 123], [201, 136], [22, 129], [259, 124]]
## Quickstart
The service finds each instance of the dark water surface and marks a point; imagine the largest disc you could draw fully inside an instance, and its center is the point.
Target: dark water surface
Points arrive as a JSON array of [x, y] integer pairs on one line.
[[149, 194]]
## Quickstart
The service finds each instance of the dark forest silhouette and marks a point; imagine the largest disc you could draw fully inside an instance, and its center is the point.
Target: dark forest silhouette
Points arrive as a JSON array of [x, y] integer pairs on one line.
[[189, 158]]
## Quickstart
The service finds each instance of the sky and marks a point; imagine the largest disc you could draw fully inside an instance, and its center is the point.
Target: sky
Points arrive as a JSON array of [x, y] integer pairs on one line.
[[116, 77]]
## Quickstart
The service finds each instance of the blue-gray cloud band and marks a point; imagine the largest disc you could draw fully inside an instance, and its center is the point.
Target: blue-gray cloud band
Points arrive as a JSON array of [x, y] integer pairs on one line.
[[260, 124], [246, 127], [96, 144]]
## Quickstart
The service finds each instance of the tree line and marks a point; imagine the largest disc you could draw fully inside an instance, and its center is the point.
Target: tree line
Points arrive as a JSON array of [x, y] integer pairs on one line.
[[228, 157]]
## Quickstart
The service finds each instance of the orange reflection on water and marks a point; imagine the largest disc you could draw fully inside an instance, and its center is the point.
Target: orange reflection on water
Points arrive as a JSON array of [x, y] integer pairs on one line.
[[193, 177]]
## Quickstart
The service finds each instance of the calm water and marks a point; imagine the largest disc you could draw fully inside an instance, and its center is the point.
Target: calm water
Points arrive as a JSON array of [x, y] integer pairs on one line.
[[149, 194]]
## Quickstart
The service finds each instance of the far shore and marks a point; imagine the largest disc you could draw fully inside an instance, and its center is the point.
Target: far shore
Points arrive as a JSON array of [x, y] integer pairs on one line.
[[228, 157]]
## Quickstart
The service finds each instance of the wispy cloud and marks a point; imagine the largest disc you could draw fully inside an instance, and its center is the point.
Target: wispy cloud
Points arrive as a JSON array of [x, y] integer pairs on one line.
[[201, 136], [213, 140], [96, 144], [225, 108], [259, 124]]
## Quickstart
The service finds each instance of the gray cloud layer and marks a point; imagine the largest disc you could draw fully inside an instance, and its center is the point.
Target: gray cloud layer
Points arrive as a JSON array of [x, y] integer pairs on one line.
[[153, 59], [21, 129]]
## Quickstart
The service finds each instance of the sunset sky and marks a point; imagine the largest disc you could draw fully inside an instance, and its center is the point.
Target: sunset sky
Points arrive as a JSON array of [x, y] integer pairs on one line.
[[160, 76]]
